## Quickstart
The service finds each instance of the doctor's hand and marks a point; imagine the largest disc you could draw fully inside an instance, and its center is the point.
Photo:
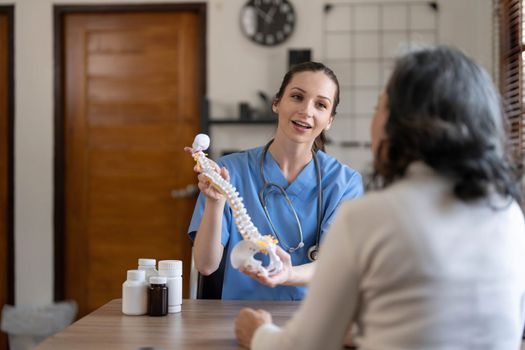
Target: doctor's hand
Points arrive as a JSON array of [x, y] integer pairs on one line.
[[204, 184], [282, 277], [247, 323]]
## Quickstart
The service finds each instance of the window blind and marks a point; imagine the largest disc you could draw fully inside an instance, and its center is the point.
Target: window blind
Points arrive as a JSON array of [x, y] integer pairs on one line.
[[511, 70]]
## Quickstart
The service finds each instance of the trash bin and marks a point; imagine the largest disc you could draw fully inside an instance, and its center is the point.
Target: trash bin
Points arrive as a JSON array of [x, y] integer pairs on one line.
[[26, 326]]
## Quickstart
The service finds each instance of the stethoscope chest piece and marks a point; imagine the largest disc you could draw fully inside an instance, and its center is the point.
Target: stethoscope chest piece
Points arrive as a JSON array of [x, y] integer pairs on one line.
[[313, 253]]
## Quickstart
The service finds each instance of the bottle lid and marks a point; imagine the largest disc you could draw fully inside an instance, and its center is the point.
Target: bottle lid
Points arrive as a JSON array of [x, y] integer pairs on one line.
[[157, 280], [170, 268], [136, 275], [147, 262]]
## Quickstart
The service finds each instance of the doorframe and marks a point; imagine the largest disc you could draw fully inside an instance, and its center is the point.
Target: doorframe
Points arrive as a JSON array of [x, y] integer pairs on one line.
[[59, 13], [8, 10]]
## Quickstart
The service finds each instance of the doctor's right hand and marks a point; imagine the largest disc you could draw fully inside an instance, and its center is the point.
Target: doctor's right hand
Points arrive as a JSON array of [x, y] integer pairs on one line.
[[204, 184]]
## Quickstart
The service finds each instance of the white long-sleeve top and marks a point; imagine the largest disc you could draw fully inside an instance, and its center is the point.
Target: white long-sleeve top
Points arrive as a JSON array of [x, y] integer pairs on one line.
[[415, 268]]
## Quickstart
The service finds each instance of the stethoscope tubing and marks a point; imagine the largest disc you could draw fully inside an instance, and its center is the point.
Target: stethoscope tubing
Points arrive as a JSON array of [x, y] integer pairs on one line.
[[313, 250]]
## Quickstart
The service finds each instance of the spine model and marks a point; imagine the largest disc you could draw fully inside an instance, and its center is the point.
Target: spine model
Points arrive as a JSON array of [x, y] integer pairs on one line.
[[253, 242]]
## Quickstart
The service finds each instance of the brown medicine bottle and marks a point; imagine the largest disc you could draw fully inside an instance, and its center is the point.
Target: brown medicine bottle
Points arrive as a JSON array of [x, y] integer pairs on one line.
[[157, 296]]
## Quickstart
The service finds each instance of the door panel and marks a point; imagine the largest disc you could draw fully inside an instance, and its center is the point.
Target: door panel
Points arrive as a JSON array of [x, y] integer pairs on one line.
[[131, 103]]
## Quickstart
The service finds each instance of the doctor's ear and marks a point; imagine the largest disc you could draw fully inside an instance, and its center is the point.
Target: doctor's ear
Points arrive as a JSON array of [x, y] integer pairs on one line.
[[275, 103], [329, 124]]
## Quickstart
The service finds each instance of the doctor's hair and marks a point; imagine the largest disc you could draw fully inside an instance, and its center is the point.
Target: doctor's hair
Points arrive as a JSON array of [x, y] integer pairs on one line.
[[319, 143], [445, 111]]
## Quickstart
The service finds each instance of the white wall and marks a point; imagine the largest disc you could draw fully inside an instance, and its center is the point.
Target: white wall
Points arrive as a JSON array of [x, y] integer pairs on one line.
[[466, 24], [237, 69]]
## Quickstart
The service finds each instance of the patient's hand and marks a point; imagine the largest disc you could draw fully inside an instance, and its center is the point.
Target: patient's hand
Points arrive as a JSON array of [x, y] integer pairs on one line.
[[247, 322]]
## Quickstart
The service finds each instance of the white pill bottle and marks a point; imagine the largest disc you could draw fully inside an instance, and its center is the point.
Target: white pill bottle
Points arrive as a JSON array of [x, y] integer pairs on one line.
[[135, 293], [172, 270], [148, 265]]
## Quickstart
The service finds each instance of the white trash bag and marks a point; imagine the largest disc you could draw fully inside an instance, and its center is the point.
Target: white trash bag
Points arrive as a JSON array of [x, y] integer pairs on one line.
[[27, 326]]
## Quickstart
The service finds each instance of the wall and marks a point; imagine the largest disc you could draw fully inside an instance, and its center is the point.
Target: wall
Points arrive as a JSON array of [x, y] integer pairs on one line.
[[236, 70]]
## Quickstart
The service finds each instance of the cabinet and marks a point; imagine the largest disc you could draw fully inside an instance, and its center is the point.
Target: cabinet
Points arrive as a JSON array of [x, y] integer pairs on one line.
[[206, 121]]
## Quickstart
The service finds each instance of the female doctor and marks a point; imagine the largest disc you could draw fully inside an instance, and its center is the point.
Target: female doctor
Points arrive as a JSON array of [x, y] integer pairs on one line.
[[291, 188]]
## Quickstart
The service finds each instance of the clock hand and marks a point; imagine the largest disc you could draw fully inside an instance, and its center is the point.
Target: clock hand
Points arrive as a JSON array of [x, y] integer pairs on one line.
[[270, 14], [261, 13]]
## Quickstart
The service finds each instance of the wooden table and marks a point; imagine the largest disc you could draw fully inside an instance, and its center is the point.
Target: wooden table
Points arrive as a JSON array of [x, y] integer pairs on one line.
[[202, 324]]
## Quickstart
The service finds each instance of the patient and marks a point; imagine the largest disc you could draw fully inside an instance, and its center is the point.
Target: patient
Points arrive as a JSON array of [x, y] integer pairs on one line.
[[435, 259]]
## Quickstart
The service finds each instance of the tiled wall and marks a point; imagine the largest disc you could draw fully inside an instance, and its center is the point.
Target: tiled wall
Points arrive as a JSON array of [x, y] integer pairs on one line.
[[360, 41]]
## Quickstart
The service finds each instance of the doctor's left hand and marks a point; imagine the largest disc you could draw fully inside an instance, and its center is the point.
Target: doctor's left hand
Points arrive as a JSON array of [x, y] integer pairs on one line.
[[283, 277], [247, 323]]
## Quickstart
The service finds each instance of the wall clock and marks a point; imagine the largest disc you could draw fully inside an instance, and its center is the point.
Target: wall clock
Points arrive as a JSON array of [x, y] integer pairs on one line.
[[268, 22]]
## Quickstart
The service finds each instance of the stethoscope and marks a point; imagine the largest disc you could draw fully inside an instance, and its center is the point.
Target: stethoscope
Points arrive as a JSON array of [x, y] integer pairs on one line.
[[313, 252]]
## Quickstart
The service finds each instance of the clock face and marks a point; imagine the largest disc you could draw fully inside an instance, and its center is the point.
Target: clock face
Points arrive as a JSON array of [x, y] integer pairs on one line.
[[268, 22]]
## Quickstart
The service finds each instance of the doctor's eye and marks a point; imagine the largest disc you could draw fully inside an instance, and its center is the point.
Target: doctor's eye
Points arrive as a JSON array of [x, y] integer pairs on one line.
[[322, 105], [297, 97]]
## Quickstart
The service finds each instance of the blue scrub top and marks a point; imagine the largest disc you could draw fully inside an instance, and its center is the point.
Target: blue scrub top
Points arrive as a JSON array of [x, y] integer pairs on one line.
[[339, 182]]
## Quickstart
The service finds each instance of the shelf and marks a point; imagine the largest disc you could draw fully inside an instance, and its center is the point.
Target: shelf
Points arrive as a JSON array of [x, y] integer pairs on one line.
[[242, 122], [349, 144]]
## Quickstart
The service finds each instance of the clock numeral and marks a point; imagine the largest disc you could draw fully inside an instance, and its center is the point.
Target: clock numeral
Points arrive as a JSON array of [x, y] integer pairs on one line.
[[290, 17], [287, 28], [279, 35], [269, 39], [285, 8], [259, 37]]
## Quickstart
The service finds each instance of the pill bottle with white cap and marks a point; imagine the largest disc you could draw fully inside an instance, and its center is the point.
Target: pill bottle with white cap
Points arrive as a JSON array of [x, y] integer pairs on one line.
[[158, 296], [135, 293], [148, 265], [172, 270]]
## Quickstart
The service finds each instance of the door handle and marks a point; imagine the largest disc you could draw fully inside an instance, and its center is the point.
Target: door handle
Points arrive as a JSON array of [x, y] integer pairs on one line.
[[190, 191]]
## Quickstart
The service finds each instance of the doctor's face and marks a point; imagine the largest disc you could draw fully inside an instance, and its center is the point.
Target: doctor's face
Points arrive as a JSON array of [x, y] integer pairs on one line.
[[305, 109]]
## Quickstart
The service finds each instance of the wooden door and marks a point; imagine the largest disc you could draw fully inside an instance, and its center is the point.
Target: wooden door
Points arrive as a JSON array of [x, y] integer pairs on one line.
[[3, 168], [132, 89], [6, 151]]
